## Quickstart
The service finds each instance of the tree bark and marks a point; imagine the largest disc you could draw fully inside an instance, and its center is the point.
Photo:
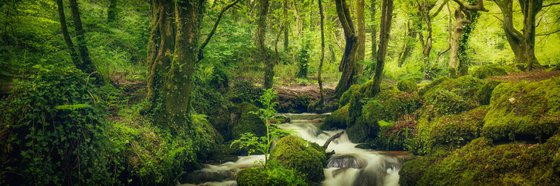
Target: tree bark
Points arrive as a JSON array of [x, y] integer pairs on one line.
[[530, 8], [348, 62], [170, 82], [87, 64], [361, 53], [260, 44], [63, 26], [408, 44], [286, 26], [424, 8], [319, 78], [386, 16], [373, 36]]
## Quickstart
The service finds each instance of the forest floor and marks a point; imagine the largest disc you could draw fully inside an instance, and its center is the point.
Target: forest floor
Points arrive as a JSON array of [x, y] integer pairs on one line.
[[535, 75]]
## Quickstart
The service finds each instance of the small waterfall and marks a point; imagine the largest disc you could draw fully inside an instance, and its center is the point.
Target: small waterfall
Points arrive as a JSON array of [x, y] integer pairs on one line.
[[348, 166]]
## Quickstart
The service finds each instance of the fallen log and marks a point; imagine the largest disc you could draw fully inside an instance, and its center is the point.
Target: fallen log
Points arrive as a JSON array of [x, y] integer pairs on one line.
[[331, 139]]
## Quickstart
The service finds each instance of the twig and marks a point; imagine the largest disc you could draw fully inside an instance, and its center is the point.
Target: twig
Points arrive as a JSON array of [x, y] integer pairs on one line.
[[207, 40]]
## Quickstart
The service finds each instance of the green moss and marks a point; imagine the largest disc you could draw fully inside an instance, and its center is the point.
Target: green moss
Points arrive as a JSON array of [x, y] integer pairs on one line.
[[337, 119], [442, 102], [485, 92], [244, 121], [414, 169], [272, 174], [305, 157], [482, 163], [345, 98], [525, 110], [407, 85], [457, 130], [488, 71]]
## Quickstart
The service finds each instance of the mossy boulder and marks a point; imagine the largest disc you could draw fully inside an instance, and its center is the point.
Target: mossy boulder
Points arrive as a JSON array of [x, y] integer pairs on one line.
[[276, 175], [407, 85], [488, 71], [457, 130], [485, 92], [244, 91], [524, 110], [442, 102], [413, 170], [305, 157], [482, 163], [244, 121], [337, 119]]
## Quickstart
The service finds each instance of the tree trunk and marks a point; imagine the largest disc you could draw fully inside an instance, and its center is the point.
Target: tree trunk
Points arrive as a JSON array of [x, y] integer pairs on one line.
[[373, 36], [408, 44], [426, 41], [386, 16], [87, 64], [522, 43], [454, 53], [171, 72], [361, 53], [260, 43], [66, 35], [286, 26], [348, 62], [112, 11], [319, 78]]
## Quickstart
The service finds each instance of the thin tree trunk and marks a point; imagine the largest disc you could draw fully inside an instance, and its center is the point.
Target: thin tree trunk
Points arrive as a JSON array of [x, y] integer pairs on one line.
[[408, 44], [286, 26], [66, 35], [87, 64], [373, 36], [319, 78], [348, 62], [260, 43], [386, 16]]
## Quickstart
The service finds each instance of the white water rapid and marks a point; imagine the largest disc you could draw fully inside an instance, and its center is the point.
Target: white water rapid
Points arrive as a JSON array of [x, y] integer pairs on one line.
[[348, 166]]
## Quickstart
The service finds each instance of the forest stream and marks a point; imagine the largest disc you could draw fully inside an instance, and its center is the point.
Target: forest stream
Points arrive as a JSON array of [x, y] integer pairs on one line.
[[348, 166]]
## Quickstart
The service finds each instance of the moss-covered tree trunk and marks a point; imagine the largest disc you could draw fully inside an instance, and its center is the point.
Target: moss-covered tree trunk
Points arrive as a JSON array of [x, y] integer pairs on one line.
[[348, 62], [319, 78], [175, 28], [361, 53], [373, 35], [386, 16], [260, 44]]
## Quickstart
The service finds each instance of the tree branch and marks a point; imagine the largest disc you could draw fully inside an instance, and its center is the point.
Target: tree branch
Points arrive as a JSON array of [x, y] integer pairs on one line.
[[331, 139], [207, 40], [551, 4], [548, 33], [439, 9]]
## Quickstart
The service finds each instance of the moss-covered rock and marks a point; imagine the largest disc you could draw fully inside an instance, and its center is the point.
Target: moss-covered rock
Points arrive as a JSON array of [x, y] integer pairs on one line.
[[413, 169], [407, 85], [244, 91], [270, 175], [244, 121], [482, 163], [337, 119], [485, 92], [442, 102], [524, 110], [488, 71], [457, 130], [305, 157]]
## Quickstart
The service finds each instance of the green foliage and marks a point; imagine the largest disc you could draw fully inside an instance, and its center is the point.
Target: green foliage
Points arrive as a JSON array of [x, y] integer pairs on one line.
[[393, 136], [407, 85], [305, 157], [303, 60], [524, 110], [483, 72], [272, 174], [244, 91], [55, 131]]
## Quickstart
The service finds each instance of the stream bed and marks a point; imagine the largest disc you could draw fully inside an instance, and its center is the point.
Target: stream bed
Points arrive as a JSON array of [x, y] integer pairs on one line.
[[348, 166]]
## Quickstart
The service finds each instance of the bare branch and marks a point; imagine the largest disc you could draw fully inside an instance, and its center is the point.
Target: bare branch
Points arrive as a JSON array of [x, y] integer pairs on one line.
[[551, 4], [439, 9], [331, 139], [479, 6], [548, 33]]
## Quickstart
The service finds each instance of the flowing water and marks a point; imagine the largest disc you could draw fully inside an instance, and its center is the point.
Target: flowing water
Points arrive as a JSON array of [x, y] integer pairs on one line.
[[348, 166]]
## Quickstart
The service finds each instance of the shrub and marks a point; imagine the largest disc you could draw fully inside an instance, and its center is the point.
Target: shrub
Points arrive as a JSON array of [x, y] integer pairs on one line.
[[55, 131], [305, 157]]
